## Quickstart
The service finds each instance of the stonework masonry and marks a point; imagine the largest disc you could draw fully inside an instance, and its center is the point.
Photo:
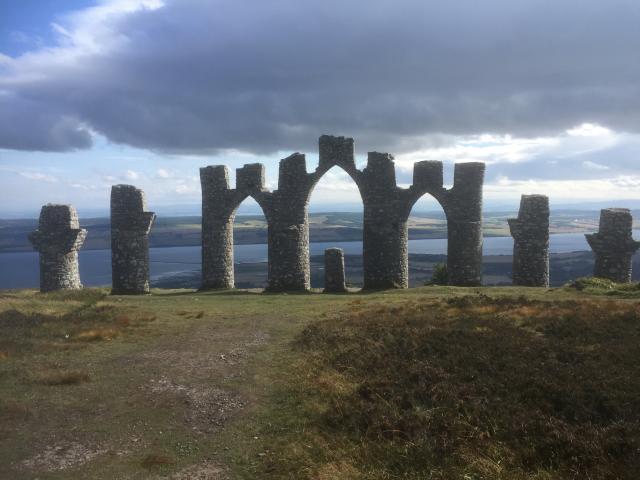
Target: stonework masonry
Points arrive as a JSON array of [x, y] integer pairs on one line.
[[530, 232], [613, 245], [334, 277], [58, 239], [386, 212], [130, 226]]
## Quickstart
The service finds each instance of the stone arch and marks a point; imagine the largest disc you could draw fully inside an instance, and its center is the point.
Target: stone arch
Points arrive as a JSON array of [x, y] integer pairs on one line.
[[336, 152], [289, 267], [219, 206], [462, 205], [353, 231], [386, 209]]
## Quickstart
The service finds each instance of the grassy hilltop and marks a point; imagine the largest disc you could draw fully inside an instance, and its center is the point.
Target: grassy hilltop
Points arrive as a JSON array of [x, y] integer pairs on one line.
[[433, 382]]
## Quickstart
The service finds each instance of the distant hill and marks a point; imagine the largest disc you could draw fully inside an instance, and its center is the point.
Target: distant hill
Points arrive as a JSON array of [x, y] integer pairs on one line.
[[324, 227]]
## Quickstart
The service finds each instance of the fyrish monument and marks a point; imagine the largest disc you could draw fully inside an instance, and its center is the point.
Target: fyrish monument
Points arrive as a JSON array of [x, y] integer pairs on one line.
[[385, 235]]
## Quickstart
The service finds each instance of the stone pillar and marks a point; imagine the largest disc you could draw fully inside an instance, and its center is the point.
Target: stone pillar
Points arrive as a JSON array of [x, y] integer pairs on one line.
[[464, 225], [288, 229], [130, 226], [334, 278], [530, 232], [217, 228], [384, 236], [613, 245], [58, 239]]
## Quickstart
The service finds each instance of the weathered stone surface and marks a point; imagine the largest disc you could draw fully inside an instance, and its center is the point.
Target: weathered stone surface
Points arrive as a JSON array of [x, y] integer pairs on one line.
[[334, 277], [530, 232], [58, 239], [613, 245], [130, 226], [386, 211], [217, 228]]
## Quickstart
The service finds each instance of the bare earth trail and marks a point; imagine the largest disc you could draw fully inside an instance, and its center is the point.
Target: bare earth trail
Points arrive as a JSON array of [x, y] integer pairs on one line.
[[165, 376]]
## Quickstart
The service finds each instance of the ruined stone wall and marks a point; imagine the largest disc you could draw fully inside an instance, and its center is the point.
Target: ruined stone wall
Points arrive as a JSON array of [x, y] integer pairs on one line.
[[386, 210], [530, 232], [130, 226], [285, 209], [613, 245], [58, 239]]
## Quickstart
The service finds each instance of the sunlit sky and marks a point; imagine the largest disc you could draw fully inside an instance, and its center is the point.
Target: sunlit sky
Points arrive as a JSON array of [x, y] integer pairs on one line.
[[94, 93]]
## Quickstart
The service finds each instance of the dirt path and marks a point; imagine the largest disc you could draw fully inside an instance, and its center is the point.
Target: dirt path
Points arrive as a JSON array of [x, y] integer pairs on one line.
[[157, 400]]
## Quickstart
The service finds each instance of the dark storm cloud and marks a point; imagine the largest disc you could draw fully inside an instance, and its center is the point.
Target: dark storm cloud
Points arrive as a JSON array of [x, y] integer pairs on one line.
[[197, 76], [27, 125]]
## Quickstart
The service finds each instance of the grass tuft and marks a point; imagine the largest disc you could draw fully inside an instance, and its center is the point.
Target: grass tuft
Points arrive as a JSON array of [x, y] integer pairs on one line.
[[604, 286]]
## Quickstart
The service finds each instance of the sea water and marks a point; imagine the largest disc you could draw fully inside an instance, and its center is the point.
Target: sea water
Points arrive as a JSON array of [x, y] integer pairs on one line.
[[20, 269]]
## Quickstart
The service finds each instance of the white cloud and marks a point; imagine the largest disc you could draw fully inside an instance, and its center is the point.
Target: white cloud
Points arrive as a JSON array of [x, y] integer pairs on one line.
[[594, 166], [490, 149], [162, 173], [616, 188], [588, 130], [82, 186], [131, 175], [184, 189], [38, 176]]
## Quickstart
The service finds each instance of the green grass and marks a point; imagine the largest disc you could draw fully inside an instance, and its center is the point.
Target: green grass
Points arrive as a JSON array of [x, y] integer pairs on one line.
[[435, 382], [603, 286]]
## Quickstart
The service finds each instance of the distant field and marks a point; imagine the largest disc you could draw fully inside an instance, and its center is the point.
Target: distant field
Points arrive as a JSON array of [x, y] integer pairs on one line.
[[324, 227]]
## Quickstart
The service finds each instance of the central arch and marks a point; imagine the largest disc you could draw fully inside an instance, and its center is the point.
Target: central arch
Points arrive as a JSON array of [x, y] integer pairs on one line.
[[351, 244]]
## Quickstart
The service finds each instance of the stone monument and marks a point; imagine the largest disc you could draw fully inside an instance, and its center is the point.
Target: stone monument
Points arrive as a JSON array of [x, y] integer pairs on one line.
[[386, 211], [613, 245], [334, 278], [130, 226], [530, 232], [58, 239]]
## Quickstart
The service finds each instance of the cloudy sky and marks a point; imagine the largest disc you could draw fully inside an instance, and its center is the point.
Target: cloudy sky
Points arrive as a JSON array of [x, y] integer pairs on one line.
[[94, 93]]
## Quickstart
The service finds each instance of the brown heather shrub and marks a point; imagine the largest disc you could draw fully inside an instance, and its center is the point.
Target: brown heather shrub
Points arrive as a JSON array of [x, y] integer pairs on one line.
[[123, 320], [480, 388], [97, 334]]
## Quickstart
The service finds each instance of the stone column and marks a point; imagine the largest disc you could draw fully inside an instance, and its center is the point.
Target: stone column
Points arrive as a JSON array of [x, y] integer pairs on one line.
[[334, 278], [288, 229], [217, 228], [464, 225], [530, 232], [58, 239], [130, 226], [384, 236], [613, 245]]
